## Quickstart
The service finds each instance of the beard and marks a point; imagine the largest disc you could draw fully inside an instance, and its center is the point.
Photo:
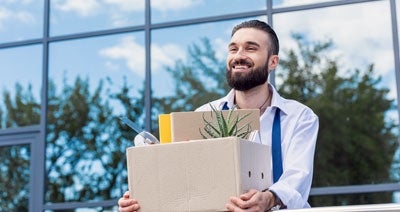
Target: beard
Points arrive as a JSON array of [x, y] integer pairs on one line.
[[244, 81]]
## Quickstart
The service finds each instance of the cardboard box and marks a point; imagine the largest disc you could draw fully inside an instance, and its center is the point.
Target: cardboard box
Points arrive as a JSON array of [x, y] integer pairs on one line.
[[186, 125], [198, 175]]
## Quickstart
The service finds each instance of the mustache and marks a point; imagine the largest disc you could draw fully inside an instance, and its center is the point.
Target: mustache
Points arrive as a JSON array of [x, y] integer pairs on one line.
[[244, 62]]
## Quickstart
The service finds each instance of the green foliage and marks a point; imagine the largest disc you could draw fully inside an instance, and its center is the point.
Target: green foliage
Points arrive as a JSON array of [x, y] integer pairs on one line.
[[85, 155], [20, 110], [356, 144], [86, 142], [198, 80], [23, 109], [221, 127], [14, 177]]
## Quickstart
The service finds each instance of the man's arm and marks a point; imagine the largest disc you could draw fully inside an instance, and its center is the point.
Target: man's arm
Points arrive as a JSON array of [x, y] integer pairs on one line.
[[294, 185]]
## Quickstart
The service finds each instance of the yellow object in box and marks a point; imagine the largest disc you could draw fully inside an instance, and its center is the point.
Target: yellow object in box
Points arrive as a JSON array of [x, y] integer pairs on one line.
[[197, 175], [164, 126]]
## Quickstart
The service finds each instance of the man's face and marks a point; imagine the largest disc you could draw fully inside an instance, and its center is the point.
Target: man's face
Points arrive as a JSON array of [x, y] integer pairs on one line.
[[247, 63]]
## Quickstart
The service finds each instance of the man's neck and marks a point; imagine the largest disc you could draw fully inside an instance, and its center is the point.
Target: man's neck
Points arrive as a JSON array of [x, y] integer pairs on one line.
[[256, 98]]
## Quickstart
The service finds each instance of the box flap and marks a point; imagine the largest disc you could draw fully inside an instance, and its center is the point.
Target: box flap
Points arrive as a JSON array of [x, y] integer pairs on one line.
[[186, 125]]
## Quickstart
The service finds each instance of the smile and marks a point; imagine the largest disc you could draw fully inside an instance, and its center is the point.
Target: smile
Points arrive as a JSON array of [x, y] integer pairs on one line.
[[241, 67]]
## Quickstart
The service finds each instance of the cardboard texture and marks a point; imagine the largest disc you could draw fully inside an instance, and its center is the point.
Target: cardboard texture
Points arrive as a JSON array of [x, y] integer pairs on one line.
[[185, 125], [198, 175]]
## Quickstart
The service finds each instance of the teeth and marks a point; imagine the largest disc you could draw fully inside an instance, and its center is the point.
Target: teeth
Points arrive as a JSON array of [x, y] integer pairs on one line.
[[241, 67]]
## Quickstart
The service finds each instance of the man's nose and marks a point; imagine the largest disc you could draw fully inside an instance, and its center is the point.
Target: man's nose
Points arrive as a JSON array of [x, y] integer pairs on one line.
[[240, 54]]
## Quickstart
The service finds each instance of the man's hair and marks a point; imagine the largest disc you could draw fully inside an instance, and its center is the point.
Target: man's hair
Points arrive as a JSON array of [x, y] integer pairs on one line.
[[274, 44]]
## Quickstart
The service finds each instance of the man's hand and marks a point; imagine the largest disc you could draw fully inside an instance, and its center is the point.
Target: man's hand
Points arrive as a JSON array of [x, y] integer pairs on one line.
[[252, 200], [126, 204]]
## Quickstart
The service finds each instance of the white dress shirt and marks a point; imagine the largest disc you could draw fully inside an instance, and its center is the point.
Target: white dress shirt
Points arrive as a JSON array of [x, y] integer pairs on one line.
[[299, 129]]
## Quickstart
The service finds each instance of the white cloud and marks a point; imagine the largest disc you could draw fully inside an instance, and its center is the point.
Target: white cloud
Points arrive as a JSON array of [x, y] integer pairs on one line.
[[221, 48], [161, 5], [127, 5], [24, 17], [129, 51], [361, 33], [288, 3], [165, 55], [119, 20], [133, 56], [7, 15], [118, 10], [164, 5], [112, 66], [83, 8]]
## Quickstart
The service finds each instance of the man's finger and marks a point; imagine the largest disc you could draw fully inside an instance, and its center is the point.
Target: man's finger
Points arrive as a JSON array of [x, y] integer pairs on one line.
[[126, 194], [131, 208], [239, 203], [246, 196], [232, 207]]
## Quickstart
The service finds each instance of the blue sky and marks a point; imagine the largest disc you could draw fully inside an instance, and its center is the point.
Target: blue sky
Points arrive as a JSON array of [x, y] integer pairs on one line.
[[361, 34]]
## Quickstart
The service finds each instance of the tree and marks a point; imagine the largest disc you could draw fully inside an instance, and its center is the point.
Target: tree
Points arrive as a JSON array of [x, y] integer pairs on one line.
[[198, 80], [22, 110], [344, 105], [87, 143], [14, 177], [356, 144]]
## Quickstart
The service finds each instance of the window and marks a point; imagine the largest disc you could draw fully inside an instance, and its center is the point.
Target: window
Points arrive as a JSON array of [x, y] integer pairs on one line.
[[21, 20], [184, 10], [20, 86], [94, 15], [90, 81], [69, 86]]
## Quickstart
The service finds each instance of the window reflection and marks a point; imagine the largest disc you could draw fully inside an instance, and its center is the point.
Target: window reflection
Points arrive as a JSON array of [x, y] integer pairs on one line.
[[20, 86], [357, 70], [95, 79], [21, 20], [14, 177], [362, 199], [91, 83], [183, 9], [94, 15], [356, 46], [290, 3], [189, 71]]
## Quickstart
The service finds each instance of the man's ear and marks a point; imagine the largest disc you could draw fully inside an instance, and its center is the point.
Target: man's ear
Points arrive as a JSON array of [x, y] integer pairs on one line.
[[273, 62]]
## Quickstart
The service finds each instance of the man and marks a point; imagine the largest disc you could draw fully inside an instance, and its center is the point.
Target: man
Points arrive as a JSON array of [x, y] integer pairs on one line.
[[252, 56]]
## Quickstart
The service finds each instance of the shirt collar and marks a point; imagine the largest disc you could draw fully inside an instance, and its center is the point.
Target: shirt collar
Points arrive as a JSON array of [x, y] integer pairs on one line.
[[276, 102]]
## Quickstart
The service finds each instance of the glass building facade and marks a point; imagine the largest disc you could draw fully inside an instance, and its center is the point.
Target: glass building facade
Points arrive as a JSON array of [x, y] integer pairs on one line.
[[70, 68]]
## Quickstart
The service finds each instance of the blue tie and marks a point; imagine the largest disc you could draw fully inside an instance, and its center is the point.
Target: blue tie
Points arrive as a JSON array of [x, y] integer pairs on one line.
[[277, 169], [225, 106]]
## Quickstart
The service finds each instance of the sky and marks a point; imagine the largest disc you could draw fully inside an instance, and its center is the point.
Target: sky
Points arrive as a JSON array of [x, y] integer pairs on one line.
[[361, 34]]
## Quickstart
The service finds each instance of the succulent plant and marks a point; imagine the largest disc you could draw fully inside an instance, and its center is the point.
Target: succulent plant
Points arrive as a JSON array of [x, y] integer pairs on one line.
[[222, 126]]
